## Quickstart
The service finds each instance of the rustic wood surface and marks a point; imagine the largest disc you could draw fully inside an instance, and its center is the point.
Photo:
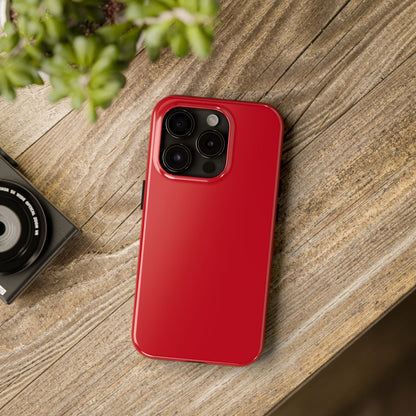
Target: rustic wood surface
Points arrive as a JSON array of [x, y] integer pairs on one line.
[[343, 75]]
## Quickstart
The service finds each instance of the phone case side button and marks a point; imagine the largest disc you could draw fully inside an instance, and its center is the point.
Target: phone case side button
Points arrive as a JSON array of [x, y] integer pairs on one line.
[[143, 188]]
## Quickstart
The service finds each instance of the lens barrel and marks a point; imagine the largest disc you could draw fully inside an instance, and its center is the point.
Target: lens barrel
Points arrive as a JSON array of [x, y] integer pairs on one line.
[[23, 228], [177, 158], [210, 143], [180, 123]]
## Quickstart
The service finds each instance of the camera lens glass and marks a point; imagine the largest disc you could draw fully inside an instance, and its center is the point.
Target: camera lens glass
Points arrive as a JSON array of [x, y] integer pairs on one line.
[[210, 143], [177, 158], [23, 228], [10, 228], [180, 123], [2, 228]]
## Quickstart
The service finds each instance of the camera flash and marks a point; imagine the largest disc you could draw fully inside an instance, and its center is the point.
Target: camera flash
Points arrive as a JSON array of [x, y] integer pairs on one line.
[[213, 120]]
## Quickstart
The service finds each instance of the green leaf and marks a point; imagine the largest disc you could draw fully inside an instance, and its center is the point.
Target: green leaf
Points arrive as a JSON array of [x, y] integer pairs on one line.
[[55, 7], [65, 52], [9, 29], [156, 35], [85, 50], [199, 41], [104, 96], [60, 87], [106, 61], [55, 29], [111, 33], [92, 113], [77, 98], [153, 9], [18, 76], [36, 79], [179, 44], [191, 5], [208, 7], [6, 88], [55, 95], [134, 11], [35, 53], [153, 52], [7, 43], [127, 44], [169, 3]]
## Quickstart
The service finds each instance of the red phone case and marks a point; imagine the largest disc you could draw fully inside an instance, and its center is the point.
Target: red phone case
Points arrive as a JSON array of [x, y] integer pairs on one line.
[[206, 244]]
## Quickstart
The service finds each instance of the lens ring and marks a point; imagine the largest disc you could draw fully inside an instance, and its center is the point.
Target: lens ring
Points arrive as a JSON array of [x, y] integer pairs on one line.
[[22, 211], [210, 143], [177, 158], [10, 228], [180, 123]]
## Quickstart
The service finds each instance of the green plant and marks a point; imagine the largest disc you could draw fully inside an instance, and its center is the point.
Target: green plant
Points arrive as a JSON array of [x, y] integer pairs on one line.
[[84, 45]]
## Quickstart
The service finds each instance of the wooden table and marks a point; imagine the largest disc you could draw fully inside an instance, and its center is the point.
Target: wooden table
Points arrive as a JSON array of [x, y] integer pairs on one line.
[[343, 75]]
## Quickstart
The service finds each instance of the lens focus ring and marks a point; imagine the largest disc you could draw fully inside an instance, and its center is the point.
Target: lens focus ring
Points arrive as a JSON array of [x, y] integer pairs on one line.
[[210, 143], [10, 228], [180, 123], [23, 228], [177, 158]]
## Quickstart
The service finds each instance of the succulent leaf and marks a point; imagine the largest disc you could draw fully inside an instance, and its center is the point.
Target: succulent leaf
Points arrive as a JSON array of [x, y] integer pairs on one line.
[[199, 40]]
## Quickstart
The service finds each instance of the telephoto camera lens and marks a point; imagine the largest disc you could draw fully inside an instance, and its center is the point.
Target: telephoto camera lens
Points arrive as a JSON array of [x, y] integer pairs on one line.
[[210, 143], [180, 123], [177, 158], [22, 228]]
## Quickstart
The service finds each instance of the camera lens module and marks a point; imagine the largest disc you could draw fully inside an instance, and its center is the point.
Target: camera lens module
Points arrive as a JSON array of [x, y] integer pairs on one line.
[[180, 123], [194, 141], [23, 228], [210, 143], [177, 158]]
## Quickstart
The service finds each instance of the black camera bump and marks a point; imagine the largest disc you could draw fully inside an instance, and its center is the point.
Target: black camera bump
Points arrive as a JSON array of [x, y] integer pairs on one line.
[[194, 142]]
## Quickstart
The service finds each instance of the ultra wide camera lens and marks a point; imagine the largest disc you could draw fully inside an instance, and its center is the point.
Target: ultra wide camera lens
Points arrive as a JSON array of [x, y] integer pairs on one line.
[[177, 158], [210, 143], [23, 228], [180, 123]]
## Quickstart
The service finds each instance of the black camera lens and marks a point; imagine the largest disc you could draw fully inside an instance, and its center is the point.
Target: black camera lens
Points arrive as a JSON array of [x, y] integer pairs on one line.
[[10, 228], [177, 158], [23, 228], [180, 123], [210, 143]]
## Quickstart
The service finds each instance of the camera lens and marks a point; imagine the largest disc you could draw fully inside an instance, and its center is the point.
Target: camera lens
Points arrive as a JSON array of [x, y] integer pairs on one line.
[[210, 143], [180, 123], [177, 158], [2, 228], [10, 228], [23, 228]]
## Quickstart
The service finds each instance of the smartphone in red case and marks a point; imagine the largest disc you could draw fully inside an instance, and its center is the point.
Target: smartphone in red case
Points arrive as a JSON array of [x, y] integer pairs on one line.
[[208, 223]]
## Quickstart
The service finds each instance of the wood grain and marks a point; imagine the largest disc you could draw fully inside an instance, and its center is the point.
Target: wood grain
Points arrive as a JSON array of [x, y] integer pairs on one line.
[[25, 120], [373, 377], [343, 75]]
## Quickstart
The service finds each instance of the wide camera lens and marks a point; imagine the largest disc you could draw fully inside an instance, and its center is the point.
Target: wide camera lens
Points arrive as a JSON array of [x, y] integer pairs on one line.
[[210, 143], [10, 228], [177, 158], [23, 228], [180, 123]]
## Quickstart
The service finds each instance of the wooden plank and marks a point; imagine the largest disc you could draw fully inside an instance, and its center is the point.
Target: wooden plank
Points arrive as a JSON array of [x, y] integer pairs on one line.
[[26, 119], [344, 244], [314, 100], [365, 372]]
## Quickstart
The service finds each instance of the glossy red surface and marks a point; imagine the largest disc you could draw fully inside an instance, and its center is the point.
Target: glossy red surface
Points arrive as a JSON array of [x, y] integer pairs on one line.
[[206, 246]]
